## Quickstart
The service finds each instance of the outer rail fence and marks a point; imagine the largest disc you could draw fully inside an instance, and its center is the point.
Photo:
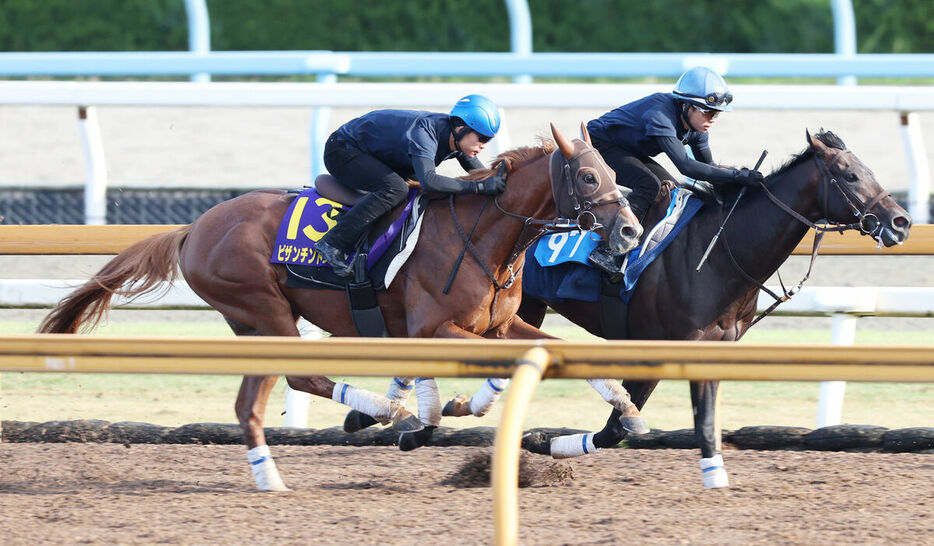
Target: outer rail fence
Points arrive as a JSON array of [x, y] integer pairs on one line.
[[906, 101], [845, 305], [525, 361]]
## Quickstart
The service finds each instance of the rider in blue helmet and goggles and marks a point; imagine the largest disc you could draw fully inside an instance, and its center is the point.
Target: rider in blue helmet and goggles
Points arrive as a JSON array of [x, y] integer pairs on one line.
[[631, 135], [379, 151]]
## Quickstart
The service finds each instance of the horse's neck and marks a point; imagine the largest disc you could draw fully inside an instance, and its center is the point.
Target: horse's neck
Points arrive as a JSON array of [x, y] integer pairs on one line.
[[761, 235], [535, 198]]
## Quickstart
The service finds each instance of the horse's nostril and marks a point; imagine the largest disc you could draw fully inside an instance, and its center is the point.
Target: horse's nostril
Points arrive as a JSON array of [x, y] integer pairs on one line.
[[629, 232], [901, 222]]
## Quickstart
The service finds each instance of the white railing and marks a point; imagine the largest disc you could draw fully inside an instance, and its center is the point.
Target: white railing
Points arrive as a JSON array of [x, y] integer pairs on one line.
[[845, 304], [905, 101]]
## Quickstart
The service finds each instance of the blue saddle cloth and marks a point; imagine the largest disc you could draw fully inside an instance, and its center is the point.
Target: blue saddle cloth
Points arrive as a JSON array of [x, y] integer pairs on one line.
[[568, 276]]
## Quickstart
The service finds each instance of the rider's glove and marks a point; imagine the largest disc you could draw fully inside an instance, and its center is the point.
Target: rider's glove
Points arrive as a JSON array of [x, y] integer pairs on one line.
[[493, 185], [746, 177]]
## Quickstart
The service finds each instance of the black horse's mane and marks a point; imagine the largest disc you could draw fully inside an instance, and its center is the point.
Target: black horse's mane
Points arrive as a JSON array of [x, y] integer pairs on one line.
[[826, 137]]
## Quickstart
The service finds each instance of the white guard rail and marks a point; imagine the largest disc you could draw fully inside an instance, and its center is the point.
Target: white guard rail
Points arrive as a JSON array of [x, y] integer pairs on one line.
[[844, 304], [906, 101]]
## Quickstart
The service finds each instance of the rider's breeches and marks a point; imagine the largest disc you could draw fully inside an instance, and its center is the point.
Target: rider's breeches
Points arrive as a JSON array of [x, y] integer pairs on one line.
[[361, 171], [640, 173]]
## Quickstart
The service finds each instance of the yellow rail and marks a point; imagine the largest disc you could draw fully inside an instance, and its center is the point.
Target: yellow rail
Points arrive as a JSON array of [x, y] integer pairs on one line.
[[505, 474], [464, 358], [80, 239]]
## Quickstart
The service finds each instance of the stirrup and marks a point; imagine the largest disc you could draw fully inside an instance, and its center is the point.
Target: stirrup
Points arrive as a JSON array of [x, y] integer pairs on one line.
[[607, 261]]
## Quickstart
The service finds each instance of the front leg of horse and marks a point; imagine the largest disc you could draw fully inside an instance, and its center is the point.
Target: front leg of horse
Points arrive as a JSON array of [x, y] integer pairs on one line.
[[482, 401], [251, 407], [707, 431]]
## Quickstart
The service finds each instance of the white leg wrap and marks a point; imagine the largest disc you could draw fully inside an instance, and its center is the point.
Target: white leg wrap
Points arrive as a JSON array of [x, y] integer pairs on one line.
[[377, 407], [714, 473], [573, 445], [429, 401], [488, 394], [264, 469], [612, 391], [400, 389]]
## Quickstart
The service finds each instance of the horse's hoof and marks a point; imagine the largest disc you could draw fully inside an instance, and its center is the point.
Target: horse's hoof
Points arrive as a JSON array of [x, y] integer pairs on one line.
[[635, 425], [458, 407], [404, 421], [412, 440], [536, 442], [357, 420]]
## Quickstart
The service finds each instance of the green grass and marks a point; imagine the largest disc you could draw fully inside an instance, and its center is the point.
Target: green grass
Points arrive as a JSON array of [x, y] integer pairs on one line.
[[179, 399]]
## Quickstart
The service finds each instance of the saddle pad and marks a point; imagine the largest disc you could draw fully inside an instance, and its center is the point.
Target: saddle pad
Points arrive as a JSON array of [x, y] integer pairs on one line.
[[308, 218], [565, 278], [566, 246], [386, 255]]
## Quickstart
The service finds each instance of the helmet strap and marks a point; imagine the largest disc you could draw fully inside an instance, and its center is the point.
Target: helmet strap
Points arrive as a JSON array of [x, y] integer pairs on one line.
[[685, 107], [459, 133]]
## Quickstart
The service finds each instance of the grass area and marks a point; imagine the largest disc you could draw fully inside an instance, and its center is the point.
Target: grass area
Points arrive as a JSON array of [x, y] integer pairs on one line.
[[179, 399]]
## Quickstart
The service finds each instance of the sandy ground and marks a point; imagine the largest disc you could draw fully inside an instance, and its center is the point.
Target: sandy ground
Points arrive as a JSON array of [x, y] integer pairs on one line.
[[92, 493]]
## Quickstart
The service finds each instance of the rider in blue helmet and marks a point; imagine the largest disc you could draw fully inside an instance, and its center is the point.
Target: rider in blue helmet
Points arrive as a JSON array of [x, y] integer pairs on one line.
[[631, 135], [379, 151]]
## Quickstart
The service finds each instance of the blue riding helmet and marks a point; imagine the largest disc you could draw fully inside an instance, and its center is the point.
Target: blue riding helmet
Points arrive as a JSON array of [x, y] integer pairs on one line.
[[479, 113], [704, 87]]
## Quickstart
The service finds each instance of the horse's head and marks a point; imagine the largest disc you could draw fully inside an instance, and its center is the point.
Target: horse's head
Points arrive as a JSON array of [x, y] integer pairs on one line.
[[584, 187], [851, 192]]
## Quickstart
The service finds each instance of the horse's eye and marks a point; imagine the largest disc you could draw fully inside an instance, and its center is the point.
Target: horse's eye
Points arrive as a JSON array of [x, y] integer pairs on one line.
[[851, 177], [590, 178]]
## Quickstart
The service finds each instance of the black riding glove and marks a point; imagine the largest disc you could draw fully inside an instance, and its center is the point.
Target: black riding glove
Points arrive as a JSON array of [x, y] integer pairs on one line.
[[493, 185], [746, 177]]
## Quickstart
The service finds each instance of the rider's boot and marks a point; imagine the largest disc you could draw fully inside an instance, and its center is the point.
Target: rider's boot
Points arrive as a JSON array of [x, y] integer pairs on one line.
[[608, 261], [339, 260]]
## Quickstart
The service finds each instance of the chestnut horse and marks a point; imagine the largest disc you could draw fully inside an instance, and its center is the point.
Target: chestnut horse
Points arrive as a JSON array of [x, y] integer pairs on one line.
[[225, 257], [718, 303]]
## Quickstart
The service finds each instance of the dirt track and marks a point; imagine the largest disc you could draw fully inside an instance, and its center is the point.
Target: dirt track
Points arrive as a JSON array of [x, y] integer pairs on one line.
[[92, 493]]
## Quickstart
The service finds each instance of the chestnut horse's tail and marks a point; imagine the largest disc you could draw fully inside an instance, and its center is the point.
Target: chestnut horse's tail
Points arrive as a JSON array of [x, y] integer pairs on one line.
[[137, 271]]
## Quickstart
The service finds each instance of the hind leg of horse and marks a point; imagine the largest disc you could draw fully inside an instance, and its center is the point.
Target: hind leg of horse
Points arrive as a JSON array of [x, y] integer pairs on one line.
[[707, 431], [610, 435], [251, 409]]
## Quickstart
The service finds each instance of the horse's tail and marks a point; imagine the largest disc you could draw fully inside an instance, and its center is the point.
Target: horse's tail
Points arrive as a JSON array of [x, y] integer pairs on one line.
[[137, 271]]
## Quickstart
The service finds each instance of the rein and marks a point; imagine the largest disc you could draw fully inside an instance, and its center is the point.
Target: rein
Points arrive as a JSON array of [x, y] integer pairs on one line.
[[862, 224]]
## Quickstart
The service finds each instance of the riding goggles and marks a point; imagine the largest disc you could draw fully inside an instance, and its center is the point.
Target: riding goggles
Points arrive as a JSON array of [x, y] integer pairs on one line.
[[719, 99]]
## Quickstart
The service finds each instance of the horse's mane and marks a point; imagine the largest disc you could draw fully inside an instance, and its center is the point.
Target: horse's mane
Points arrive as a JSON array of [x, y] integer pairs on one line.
[[514, 158], [826, 137]]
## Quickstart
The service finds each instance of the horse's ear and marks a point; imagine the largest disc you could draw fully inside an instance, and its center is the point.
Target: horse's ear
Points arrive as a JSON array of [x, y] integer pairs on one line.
[[563, 143], [585, 136], [816, 144]]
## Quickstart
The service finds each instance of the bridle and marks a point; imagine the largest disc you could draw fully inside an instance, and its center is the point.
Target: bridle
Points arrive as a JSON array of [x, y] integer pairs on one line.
[[866, 222]]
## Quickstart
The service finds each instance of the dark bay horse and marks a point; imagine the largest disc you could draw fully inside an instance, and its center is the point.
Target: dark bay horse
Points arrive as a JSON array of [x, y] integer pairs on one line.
[[225, 257], [718, 303]]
